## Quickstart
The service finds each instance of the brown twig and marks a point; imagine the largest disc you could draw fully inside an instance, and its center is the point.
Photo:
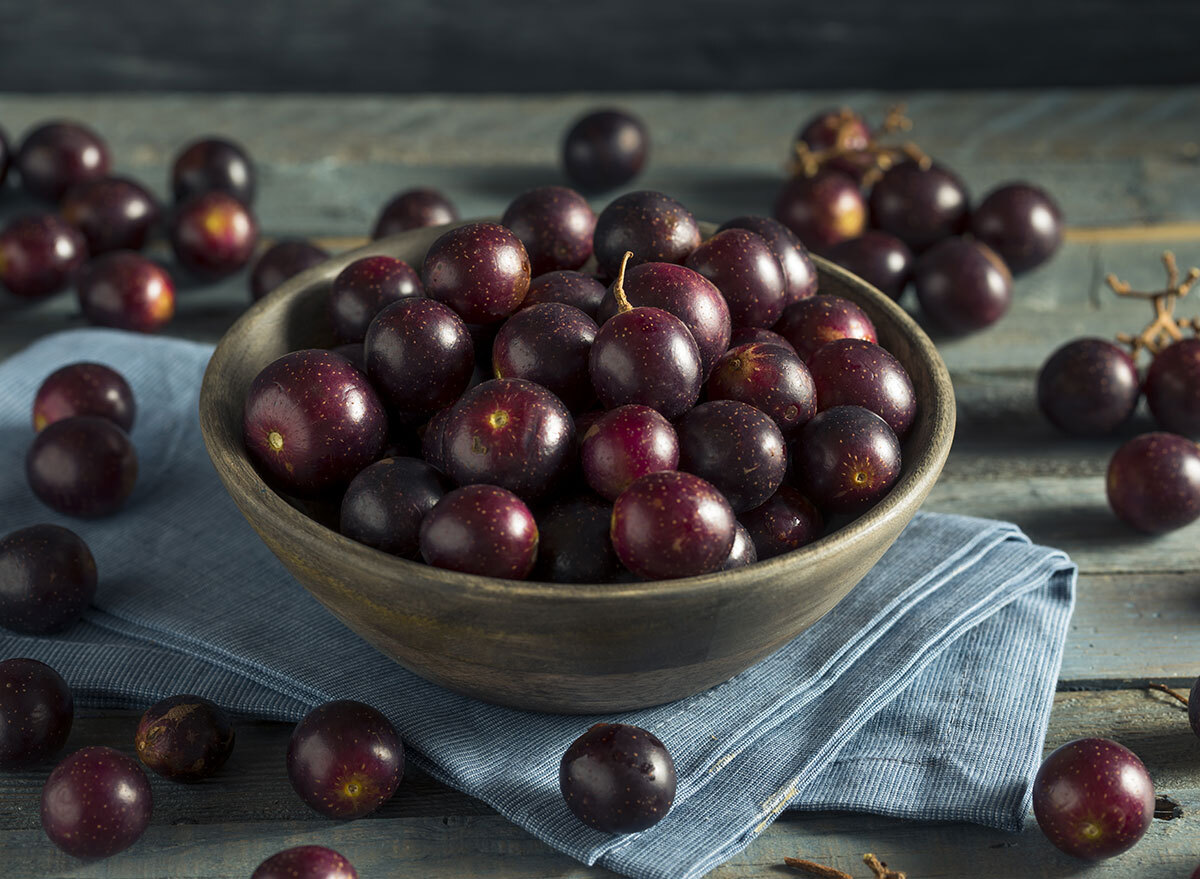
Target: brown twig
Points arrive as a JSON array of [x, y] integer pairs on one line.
[[1163, 688], [619, 285], [1164, 329], [880, 156], [814, 869], [880, 869]]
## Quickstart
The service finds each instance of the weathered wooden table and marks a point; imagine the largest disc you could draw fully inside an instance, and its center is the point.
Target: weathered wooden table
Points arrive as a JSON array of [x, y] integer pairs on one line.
[[1126, 168]]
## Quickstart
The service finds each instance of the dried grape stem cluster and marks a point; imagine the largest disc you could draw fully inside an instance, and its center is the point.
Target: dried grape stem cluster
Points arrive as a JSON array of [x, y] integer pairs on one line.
[[812, 868], [1165, 328], [807, 161]]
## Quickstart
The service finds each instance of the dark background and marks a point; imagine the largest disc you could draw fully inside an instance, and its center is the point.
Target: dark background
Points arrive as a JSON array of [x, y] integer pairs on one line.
[[598, 45]]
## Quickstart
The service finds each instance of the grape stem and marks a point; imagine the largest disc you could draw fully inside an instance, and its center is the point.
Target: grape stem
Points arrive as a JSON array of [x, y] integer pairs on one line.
[[1164, 329], [1163, 688], [880, 869], [812, 868], [619, 285]]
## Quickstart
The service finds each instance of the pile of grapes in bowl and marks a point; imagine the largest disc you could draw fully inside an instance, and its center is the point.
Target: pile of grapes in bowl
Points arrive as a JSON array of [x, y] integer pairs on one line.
[[578, 463]]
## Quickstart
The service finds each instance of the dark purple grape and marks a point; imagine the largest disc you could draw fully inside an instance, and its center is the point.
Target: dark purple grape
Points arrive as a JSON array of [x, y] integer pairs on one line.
[[1021, 222], [419, 355], [618, 778], [125, 290], [345, 759], [312, 421], [366, 287], [213, 235], [741, 265], [836, 128], [184, 738], [84, 389], [770, 378], [880, 259], [481, 270], [962, 285], [1088, 387], [83, 466], [625, 444], [510, 433], [670, 524], [1093, 798], [853, 372], [282, 261], [36, 712], [305, 862], [1173, 387], [787, 521], [414, 209], [115, 213], [800, 275], [39, 255], [919, 205], [816, 321], [646, 356], [47, 579], [96, 803], [481, 529], [1154, 482], [823, 209], [58, 155], [752, 335], [736, 447], [213, 164], [433, 439], [548, 344], [569, 288], [573, 543], [605, 149], [652, 226], [846, 459], [555, 224], [743, 552], [385, 503]]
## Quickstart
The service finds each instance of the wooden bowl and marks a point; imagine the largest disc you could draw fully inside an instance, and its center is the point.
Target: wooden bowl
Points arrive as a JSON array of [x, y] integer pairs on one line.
[[547, 646]]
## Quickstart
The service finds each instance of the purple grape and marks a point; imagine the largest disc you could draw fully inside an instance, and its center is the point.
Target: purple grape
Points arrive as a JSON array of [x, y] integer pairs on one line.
[[652, 226], [736, 447], [419, 355], [36, 712], [743, 552], [822, 210], [213, 164], [213, 235], [555, 224], [184, 738], [282, 261], [618, 778], [919, 205], [1021, 222], [787, 521], [114, 213], [605, 149], [83, 466], [646, 356], [481, 529], [569, 288], [481, 270], [96, 803], [305, 862], [742, 266], [548, 344], [814, 322], [47, 579], [853, 372], [1089, 387], [126, 291], [574, 544], [58, 155], [799, 272], [385, 503], [770, 378], [962, 285], [880, 259], [846, 459], [414, 209], [40, 255], [836, 128], [625, 444], [1153, 482], [757, 335], [84, 389], [1173, 387], [364, 288]]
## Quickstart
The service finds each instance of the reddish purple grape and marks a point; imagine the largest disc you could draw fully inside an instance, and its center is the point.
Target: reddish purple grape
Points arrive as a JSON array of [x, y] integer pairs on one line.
[[605, 149], [414, 209], [36, 712], [1173, 387], [919, 205], [880, 259], [433, 439], [574, 544], [736, 447], [814, 322], [823, 209], [114, 213], [1093, 798], [569, 288], [741, 265], [618, 778], [385, 503], [625, 444], [184, 738], [305, 862], [345, 759], [125, 290], [364, 288], [743, 552], [836, 128], [481, 270], [419, 355], [757, 335], [96, 803], [213, 164], [47, 579], [652, 226], [58, 155], [555, 224], [312, 421], [846, 459], [39, 255], [786, 521], [1154, 482], [83, 466], [853, 372], [481, 529], [510, 433], [84, 389], [962, 285], [646, 356], [670, 524], [282, 261], [799, 273], [1021, 222], [548, 344], [213, 235], [1088, 387], [770, 378]]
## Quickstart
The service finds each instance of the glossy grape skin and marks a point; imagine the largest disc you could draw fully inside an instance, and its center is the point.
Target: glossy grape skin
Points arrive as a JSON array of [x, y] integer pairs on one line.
[[743, 552], [481, 529], [36, 712], [1093, 798], [84, 389], [364, 288], [1021, 222], [846, 459], [623, 445], [385, 503], [1173, 387], [58, 155], [570, 288], [414, 209], [854, 372], [652, 226], [604, 149], [741, 265], [822, 210], [751, 335], [573, 543], [646, 356], [419, 355], [814, 322], [40, 255], [126, 291], [305, 862], [114, 213], [1153, 482], [770, 378], [213, 235], [213, 164], [880, 259], [96, 802], [83, 466], [1088, 387], [920, 206], [47, 579], [962, 285], [821, 131], [786, 521], [670, 524], [548, 344], [799, 272], [737, 448], [345, 759], [184, 738], [618, 778], [282, 261], [481, 270], [433, 439], [555, 224]]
